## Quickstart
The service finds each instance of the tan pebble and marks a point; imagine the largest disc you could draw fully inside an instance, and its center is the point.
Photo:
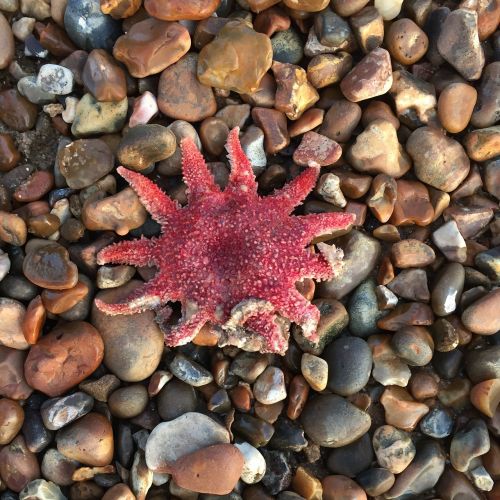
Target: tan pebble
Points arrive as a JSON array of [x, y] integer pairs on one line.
[[128, 402], [401, 410], [368, 27], [7, 48], [341, 488], [306, 485], [11, 420], [412, 253], [455, 106], [483, 144], [485, 396], [482, 317], [327, 69], [406, 42], [13, 229], [341, 120], [379, 110]]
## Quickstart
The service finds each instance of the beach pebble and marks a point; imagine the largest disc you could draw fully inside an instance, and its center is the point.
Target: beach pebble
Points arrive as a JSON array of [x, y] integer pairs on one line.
[[55, 79], [270, 387], [58, 412], [393, 448]]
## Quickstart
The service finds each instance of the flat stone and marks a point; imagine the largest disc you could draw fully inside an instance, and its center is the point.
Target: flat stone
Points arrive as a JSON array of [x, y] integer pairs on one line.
[[316, 148], [59, 412], [451, 243], [172, 440]]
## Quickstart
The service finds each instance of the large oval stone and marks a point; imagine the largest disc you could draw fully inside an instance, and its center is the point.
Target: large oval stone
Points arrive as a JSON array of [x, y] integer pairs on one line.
[[133, 343], [64, 357]]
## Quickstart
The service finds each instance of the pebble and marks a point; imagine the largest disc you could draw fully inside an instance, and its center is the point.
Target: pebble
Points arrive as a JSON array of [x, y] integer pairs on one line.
[[349, 365], [451, 243], [401, 410], [306, 5], [455, 106], [371, 77], [199, 471], [315, 371], [100, 388], [274, 125], [352, 459], [177, 10], [486, 110], [377, 151], [7, 52], [411, 284], [145, 108], [254, 466], [468, 443], [326, 69], [128, 402], [64, 357], [287, 46], [9, 154], [23, 27], [18, 465], [59, 412], [38, 184], [185, 434], [16, 111], [360, 254], [413, 204], [422, 474], [132, 344], [438, 423], [331, 421], [55, 79], [255, 430], [144, 145], [485, 396], [459, 43], [382, 197], [483, 144], [389, 9], [333, 31], [119, 491], [189, 371], [220, 63], [414, 345], [483, 364], [412, 253], [481, 316], [93, 117], [393, 448], [306, 485], [12, 382], [489, 262], [121, 213], [181, 96], [49, 266], [11, 420], [13, 229], [151, 45], [376, 481], [60, 301], [103, 77], [39, 488], [12, 313], [89, 440], [368, 27], [406, 42], [448, 289], [88, 27], [269, 388], [439, 161], [454, 485], [341, 487], [316, 148]]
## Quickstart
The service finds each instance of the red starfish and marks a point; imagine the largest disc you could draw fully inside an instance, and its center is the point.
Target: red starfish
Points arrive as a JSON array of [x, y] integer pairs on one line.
[[231, 257]]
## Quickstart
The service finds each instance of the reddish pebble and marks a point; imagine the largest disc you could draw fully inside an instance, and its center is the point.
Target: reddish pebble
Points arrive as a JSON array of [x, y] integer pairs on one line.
[[18, 465], [316, 148], [145, 107], [35, 186], [33, 320], [9, 155], [59, 301], [176, 10]]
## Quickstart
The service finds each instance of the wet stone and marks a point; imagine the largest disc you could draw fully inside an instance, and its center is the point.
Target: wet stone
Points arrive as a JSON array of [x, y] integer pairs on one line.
[[255, 430], [483, 364], [16, 111], [39, 488], [470, 442], [58, 412], [393, 448], [128, 402], [269, 387], [438, 423], [401, 410], [306, 484], [88, 27], [189, 371], [13, 229], [11, 420], [331, 421], [414, 345], [278, 474], [352, 459], [376, 481]]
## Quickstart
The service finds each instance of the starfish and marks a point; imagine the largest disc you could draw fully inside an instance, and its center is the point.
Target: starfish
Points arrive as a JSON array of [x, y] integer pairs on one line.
[[231, 257]]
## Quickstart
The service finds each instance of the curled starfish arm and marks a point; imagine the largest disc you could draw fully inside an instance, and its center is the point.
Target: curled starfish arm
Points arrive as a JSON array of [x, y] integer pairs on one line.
[[324, 223], [242, 178], [197, 177], [142, 298], [132, 252], [264, 323], [156, 202], [293, 193], [187, 328]]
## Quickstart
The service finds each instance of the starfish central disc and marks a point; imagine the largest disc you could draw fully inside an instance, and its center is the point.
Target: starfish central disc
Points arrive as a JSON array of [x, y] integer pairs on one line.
[[231, 258]]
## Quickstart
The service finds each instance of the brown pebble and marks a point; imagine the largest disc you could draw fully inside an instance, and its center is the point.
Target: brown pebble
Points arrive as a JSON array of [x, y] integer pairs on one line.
[[7, 46], [298, 393], [352, 184], [483, 144], [103, 77], [43, 225], [176, 10], [485, 396], [379, 110], [482, 317], [59, 301], [412, 253], [413, 205], [55, 40], [455, 106], [199, 471], [119, 491], [316, 148], [151, 45], [12, 382], [306, 5], [89, 440], [368, 28], [181, 95], [13, 229], [327, 69], [341, 488], [424, 385], [341, 120], [382, 197], [33, 320], [304, 483], [9, 155], [128, 402], [16, 111], [18, 465], [411, 313], [401, 410], [34, 187], [64, 357], [49, 266], [274, 125], [371, 77], [406, 42], [264, 95], [76, 62], [213, 135], [11, 420], [269, 19], [486, 110], [120, 9]]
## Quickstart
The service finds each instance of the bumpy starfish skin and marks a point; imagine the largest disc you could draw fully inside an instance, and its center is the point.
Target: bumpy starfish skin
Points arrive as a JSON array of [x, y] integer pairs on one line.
[[232, 258]]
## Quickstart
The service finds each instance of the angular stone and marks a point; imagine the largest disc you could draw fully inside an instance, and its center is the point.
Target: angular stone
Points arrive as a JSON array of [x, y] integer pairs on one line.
[[401, 410], [394, 448], [316, 148], [16, 111], [12, 382]]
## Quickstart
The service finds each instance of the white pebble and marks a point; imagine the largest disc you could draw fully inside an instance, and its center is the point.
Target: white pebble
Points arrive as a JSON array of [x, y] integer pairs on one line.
[[254, 466], [23, 27], [68, 115], [55, 79], [388, 9], [4, 264]]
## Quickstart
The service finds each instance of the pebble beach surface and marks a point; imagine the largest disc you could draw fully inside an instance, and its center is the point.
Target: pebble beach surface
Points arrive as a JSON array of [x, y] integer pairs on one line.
[[398, 102]]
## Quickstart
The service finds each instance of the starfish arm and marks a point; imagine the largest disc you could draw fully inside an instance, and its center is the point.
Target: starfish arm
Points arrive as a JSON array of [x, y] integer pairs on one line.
[[197, 177], [242, 178], [187, 329], [317, 267], [324, 223], [132, 252], [141, 299], [292, 194], [264, 323], [156, 202]]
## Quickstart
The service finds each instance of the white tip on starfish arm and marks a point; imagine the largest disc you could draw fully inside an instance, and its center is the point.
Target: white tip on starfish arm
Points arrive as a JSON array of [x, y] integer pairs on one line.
[[332, 254], [313, 164]]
